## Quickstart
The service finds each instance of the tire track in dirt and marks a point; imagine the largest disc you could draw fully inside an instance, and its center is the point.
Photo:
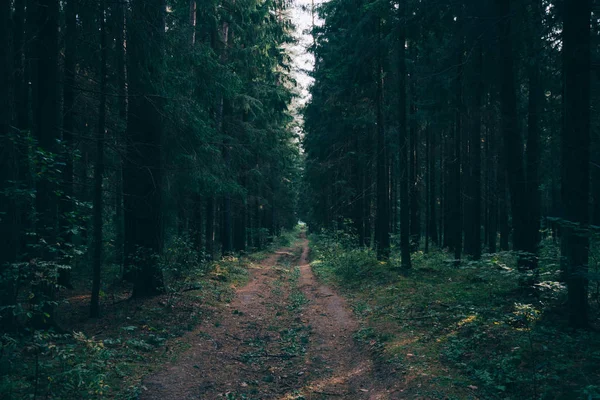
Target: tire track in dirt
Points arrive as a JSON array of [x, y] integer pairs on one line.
[[213, 366], [349, 370], [264, 346]]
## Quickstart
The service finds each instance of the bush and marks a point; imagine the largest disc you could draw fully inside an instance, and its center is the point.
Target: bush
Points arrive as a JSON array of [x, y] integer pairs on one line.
[[351, 265], [473, 326], [49, 365]]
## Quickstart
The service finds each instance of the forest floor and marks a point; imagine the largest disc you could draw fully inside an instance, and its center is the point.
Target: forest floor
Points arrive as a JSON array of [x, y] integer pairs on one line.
[[271, 325], [284, 336]]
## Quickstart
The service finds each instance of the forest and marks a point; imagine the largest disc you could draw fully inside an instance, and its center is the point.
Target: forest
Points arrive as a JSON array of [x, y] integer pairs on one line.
[[191, 210]]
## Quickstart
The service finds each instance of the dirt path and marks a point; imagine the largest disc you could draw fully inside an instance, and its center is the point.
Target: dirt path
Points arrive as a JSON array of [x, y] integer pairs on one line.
[[284, 336]]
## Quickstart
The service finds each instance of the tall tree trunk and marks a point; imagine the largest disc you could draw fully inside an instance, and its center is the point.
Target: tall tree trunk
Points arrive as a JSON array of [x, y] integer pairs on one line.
[[46, 115], [258, 242], [448, 189], [21, 86], [503, 213], [119, 28], [595, 145], [403, 141], [432, 179], [382, 233], [99, 170], [359, 195], [415, 220], [210, 227], [456, 212], [535, 104], [8, 153], [513, 145], [576, 156], [595, 180], [192, 23], [227, 225], [264, 223], [393, 195], [196, 226], [473, 240], [427, 189], [492, 189], [142, 171], [368, 187], [45, 107], [226, 228], [272, 217], [22, 106], [239, 238], [22, 75], [66, 204]]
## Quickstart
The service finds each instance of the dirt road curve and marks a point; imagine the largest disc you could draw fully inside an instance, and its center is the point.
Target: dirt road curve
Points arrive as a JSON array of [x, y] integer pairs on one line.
[[285, 336]]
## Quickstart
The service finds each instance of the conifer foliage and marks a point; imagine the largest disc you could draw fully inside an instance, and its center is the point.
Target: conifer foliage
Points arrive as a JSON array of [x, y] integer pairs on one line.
[[165, 120], [439, 120]]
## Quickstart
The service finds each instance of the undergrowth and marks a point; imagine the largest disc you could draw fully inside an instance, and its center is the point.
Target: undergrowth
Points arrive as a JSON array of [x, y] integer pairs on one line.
[[108, 357], [467, 331]]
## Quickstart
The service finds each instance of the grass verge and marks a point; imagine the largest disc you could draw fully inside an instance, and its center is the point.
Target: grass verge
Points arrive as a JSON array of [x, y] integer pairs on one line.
[[108, 357], [468, 331]]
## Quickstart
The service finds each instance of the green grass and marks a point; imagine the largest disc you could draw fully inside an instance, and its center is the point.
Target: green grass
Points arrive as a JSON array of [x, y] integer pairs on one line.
[[108, 358], [465, 331]]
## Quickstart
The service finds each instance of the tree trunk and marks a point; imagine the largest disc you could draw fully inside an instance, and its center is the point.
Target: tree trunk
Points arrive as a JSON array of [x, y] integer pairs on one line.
[[492, 189], [66, 204], [46, 116], [392, 190], [8, 211], [368, 186], [196, 226], [513, 145], [359, 195], [142, 171], [415, 220], [99, 171], [210, 227], [45, 110], [427, 189], [239, 238], [432, 220], [22, 106], [473, 240], [576, 156], [503, 203], [448, 188], [456, 218], [21, 85], [403, 141], [192, 23], [119, 19], [382, 233], [226, 225], [535, 103]]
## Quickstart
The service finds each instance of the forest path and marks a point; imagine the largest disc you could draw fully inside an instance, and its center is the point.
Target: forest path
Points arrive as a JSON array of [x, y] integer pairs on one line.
[[284, 336]]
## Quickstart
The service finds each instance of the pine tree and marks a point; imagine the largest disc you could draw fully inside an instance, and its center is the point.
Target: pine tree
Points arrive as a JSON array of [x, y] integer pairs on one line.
[[575, 162], [142, 172]]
